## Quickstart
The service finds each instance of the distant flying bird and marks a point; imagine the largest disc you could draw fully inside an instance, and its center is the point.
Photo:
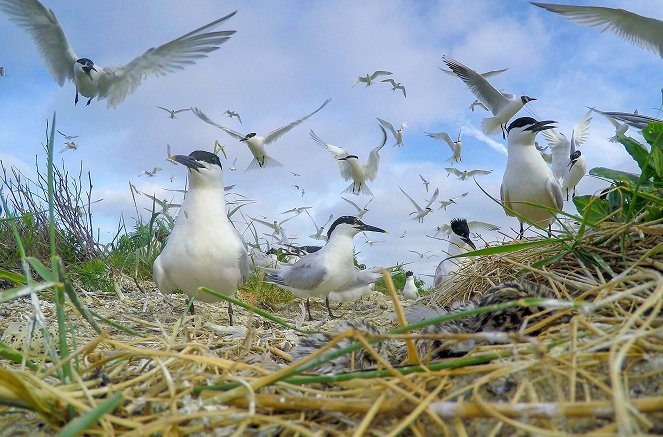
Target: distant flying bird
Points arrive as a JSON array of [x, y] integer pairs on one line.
[[68, 137], [298, 210], [2, 74], [350, 166], [172, 112], [372, 242], [294, 174], [528, 184], [319, 230], [69, 145], [445, 203], [218, 147], [503, 106], [422, 255], [275, 226], [397, 133], [462, 175], [455, 146], [420, 212], [234, 166], [395, 85], [255, 142], [164, 204], [150, 174], [369, 78], [232, 114], [111, 83], [360, 211], [542, 150], [300, 189], [477, 102], [424, 181], [643, 31]]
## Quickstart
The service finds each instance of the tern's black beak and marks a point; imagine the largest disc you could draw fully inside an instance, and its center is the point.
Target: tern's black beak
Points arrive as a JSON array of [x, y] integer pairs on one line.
[[470, 242], [541, 125], [187, 161], [368, 228]]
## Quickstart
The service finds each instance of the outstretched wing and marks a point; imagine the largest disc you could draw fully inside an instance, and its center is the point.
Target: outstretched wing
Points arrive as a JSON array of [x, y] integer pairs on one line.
[[476, 225], [371, 169], [411, 200], [338, 152], [560, 148], [200, 114], [453, 171], [479, 86], [444, 137], [353, 204], [278, 133], [580, 131], [436, 193], [385, 124]]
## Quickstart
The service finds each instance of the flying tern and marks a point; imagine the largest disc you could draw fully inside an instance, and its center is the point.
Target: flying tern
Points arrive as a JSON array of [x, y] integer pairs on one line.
[[451, 200], [164, 204], [462, 175], [422, 255], [275, 226], [395, 85], [352, 168], [330, 268], [69, 145], [369, 78], [485, 75], [68, 137], [320, 229], [455, 146], [297, 210], [255, 142], [231, 114], [528, 181], [150, 174], [234, 166], [478, 103], [424, 181], [410, 289], [503, 106], [173, 112], [397, 133], [635, 120], [542, 150], [360, 211], [420, 212], [111, 83], [203, 249]]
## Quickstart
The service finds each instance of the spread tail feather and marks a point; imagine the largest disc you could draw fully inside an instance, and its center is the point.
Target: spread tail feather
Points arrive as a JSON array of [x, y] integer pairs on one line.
[[363, 189], [268, 162], [490, 125]]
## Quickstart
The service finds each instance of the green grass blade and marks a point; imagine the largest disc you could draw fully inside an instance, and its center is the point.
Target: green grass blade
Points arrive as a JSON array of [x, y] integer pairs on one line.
[[514, 247], [24, 290], [117, 325], [16, 278], [41, 269], [79, 425], [73, 296], [12, 354]]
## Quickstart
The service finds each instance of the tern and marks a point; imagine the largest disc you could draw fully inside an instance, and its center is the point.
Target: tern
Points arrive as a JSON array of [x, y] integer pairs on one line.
[[455, 146], [542, 150], [69, 145], [320, 229], [231, 114], [297, 210], [528, 184], [630, 119], [395, 86], [68, 137], [234, 166], [424, 181], [255, 142], [451, 200], [397, 133], [485, 75], [420, 213], [111, 83], [152, 173], [360, 211], [473, 226], [478, 103], [410, 289], [172, 112], [203, 249], [462, 175], [352, 168], [459, 242], [568, 163], [164, 204], [369, 78], [372, 242], [503, 106], [276, 225], [643, 31], [330, 268], [422, 255]]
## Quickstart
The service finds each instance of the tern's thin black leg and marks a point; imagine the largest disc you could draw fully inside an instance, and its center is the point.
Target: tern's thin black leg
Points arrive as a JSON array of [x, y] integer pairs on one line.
[[329, 311], [308, 309], [89, 101], [76, 99], [230, 313], [191, 310], [549, 230], [522, 231]]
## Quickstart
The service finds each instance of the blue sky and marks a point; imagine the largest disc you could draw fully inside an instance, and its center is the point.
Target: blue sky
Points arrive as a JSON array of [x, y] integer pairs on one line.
[[288, 57]]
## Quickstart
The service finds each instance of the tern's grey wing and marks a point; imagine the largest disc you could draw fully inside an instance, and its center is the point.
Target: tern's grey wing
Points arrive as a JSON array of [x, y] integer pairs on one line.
[[391, 81], [165, 109], [380, 73], [478, 173], [278, 133], [476, 225], [555, 192], [436, 193], [491, 73], [353, 204], [374, 158], [444, 137], [454, 171], [580, 131], [268, 224], [307, 273], [560, 149], [200, 114], [182, 110], [636, 120], [411, 200], [116, 83], [479, 86], [47, 34], [385, 124], [643, 31]]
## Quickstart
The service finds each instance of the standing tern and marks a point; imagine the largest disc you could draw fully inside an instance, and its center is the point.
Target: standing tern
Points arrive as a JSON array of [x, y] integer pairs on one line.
[[462, 175], [173, 112], [360, 211], [112, 83], [503, 106], [203, 249], [459, 242], [455, 146], [397, 133], [528, 185], [395, 86], [643, 31], [410, 291], [320, 229], [369, 78], [231, 114], [255, 142], [330, 268], [420, 213], [352, 168], [568, 163]]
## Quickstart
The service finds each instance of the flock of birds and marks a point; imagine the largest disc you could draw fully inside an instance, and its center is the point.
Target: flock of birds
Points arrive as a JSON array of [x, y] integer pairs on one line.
[[205, 249]]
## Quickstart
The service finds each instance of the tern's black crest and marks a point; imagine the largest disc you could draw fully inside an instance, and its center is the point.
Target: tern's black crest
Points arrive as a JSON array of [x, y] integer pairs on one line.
[[85, 61], [408, 274], [251, 135], [344, 219], [521, 122], [459, 227], [575, 155], [210, 158]]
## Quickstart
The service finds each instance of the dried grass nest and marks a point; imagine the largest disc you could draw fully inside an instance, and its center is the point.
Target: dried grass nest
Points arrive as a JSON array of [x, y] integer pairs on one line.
[[596, 369]]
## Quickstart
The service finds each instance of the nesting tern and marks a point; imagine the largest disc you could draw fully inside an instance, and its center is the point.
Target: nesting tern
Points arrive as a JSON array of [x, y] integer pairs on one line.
[[459, 242], [360, 211], [319, 230], [410, 289], [111, 83], [231, 114], [173, 112], [330, 268], [568, 163], [503, 106], [255, 142], [350, 166], [455, 146], [462, 175], [643, 31], [528, 185], [420, 212], [424, 181], [397, 133], [369, 78], [203, 249], [395, 85]]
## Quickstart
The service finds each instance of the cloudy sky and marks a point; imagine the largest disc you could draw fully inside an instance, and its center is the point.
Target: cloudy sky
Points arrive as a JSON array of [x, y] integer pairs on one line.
[[286, 58]]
